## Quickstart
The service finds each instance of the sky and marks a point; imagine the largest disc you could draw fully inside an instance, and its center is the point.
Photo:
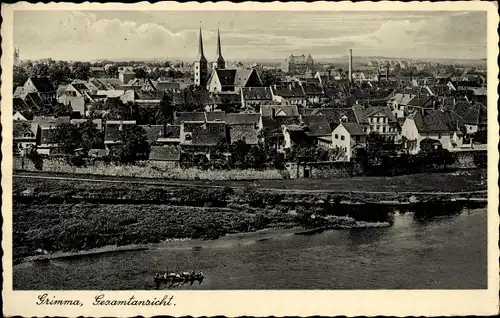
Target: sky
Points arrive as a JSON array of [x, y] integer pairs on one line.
[[249, 35]]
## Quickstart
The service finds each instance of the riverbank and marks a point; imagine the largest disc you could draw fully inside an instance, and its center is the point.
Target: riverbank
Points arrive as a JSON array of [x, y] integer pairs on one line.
[[67, 215], [229, 240]]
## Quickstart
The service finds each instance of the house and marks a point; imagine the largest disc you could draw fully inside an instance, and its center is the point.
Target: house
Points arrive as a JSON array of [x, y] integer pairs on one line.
[[105, 83], [246, 132], [112, 130], [255, 96], [472, 116], [273, 128], [165, 156], [202, 135], [18, 117], [97, 71], [307, 132], [347, 138], [431, 124], [42, 86], [290, 95], [279, 111], [227, 80], [381, 120], [314, 93], [399, 103], [126, 76], [24, 135]]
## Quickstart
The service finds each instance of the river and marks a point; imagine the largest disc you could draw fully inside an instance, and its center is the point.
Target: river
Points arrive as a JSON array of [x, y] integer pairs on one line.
[[446, 252]]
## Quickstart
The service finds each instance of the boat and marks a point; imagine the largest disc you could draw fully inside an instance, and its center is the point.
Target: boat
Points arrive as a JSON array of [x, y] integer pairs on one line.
[[172, 279]]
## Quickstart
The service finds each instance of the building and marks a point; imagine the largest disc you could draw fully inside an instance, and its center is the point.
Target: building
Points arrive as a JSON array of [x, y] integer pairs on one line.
[[232, 80], [112, 131], [126, 76], [200, 65], [431, 124], [291, 95], [219, 61], [24, 135], [298, 64], [42, 86], [252, 97], [347, 138]]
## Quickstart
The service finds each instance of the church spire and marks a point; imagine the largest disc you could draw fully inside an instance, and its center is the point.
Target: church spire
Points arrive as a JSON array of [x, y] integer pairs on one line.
[[221, 64], [201, 54]]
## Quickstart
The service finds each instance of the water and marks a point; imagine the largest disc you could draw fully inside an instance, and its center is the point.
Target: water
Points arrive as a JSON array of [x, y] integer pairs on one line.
[[448, 252]]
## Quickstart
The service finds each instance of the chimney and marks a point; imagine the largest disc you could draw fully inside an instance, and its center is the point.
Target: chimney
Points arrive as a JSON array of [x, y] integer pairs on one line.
[[422, 110], [350, 65]]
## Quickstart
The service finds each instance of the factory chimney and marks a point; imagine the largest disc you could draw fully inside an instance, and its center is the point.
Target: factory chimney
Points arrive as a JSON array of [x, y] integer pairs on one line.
[[350, 65]]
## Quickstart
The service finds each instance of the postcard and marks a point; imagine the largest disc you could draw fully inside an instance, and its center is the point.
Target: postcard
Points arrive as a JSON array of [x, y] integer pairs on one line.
[[250, 159]]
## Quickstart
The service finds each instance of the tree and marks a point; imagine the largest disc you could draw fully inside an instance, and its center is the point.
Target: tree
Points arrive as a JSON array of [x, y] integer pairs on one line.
[[140, 72], [165, 111], [20, 76], [112, 71], [81, 70], [70, 137], [134, 146], [116, 109]]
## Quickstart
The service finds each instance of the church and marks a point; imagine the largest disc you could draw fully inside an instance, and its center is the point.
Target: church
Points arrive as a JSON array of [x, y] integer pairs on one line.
[[218, 78]]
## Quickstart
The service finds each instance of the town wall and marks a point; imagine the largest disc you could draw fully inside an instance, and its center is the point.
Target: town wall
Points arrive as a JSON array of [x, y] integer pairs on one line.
[[147, 170]]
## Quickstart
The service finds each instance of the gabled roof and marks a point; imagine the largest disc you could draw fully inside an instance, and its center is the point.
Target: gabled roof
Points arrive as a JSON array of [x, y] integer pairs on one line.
[[180, 117], [467, 113], [318, 125], [242, 118], [287, 92], [311, 89], [208, 134], [384, 110], [256, 93], [279, 110], [42, 84], [433, 121], [20, 128], [45, 121], [420, 101], [273, 125], [354, 129]]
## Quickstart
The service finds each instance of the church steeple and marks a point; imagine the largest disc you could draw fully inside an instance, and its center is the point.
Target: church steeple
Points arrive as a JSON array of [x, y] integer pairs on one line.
[[220, 63], [200, 65], [201, 54]]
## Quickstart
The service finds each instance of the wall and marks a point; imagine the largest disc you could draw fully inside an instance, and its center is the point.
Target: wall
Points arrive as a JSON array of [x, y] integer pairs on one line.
[[323, 170], [147, 170]]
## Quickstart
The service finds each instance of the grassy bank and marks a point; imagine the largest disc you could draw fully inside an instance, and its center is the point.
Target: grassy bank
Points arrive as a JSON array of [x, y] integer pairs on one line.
[[65, 215]]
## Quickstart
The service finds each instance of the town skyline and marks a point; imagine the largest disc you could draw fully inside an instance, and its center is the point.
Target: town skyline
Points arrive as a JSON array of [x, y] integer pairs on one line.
[[169, 35]]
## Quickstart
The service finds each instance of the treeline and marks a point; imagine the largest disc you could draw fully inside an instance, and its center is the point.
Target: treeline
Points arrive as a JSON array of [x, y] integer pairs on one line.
[[63, 72]]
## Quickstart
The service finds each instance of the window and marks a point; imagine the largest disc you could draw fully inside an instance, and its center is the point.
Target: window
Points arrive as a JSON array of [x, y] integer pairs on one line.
[[196, 67], [196, 73], [342, 137], [383, 129], [439, 136], [377, 127], [336, 136], [381, 119]]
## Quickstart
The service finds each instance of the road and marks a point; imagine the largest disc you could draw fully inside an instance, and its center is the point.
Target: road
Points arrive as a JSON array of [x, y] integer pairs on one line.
[[296, 185]]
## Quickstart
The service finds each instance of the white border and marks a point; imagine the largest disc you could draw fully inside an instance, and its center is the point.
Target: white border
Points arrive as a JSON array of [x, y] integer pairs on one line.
[[264, 303]]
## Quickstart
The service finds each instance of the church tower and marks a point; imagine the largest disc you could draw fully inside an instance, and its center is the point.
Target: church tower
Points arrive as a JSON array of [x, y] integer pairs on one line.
[[200, 65], [219, 62]]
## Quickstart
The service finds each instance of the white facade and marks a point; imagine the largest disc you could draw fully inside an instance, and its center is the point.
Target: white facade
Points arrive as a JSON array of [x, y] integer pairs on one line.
[[448, 140]]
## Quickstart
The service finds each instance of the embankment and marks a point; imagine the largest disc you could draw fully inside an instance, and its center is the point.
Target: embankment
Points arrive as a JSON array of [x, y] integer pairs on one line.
[[67, 215]]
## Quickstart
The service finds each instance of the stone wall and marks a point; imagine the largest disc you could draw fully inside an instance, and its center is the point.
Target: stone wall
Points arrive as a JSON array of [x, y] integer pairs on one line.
[[147, 169]]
